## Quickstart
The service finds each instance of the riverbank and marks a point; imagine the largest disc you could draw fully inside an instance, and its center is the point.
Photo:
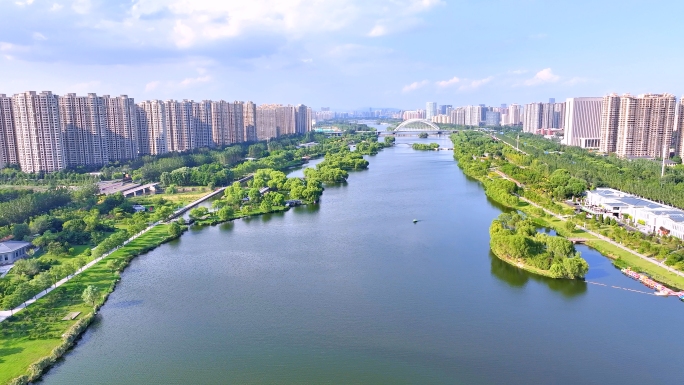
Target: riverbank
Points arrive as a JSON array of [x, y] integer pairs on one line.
[[35, 338], [620, 258]]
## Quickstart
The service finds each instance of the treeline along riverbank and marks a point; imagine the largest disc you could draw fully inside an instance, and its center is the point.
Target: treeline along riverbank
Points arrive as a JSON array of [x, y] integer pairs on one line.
[[508, 174]]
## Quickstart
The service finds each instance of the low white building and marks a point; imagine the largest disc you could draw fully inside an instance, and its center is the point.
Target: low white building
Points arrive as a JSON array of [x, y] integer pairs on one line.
[[12, 251], [655, 217]]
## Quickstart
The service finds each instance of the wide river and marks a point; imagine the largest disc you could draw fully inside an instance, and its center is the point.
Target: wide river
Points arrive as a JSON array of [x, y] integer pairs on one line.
[[352, 291]]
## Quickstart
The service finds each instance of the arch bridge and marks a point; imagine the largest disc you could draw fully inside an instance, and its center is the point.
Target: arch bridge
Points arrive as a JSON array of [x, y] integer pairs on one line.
[[417, 125]]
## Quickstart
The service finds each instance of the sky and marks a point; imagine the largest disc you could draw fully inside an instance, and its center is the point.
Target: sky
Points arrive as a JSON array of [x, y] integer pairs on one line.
[[343, 54]]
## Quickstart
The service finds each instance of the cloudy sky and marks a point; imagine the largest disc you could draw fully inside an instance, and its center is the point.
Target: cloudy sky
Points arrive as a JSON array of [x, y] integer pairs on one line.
[[343, 53]]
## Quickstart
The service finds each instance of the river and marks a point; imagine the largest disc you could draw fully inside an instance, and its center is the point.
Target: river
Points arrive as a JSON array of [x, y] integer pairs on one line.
[[352, 291]]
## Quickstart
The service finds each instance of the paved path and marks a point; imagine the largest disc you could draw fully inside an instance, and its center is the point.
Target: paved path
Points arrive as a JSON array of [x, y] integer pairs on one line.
[[4, 314], [597, 235]]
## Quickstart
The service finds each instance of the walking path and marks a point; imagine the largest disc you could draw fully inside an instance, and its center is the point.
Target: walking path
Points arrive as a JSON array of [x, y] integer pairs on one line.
[[597, 235], [4, 314]]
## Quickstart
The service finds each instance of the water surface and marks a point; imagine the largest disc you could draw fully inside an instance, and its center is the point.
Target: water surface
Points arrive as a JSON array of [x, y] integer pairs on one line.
[[352, 291]]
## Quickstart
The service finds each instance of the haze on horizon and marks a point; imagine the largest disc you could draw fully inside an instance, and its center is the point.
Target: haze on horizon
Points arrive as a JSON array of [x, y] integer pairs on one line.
[[342, 54]]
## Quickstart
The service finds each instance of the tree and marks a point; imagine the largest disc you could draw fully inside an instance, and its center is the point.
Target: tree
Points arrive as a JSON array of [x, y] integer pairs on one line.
[[111, 265], [27, 267], [225, 213], [198, 212], [266, 206], [575, 267], [389, 140], [569, 226], [91, 295], [175, 230], [20, 230]]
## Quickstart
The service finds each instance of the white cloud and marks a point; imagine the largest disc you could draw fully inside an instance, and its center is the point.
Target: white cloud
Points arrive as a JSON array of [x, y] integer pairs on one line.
[[414, 86], [476, 83], [543, 76], [39, 36], [378, 30], [24, 2], [81, 6], [188, 23], [538, 36], [191, 81], [56, 7], [518, 72], [152, 85], [448, 83]]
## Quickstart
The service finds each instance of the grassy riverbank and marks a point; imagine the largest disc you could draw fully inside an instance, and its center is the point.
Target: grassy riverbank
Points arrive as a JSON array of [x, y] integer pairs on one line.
[[501, 190], [35, 332]]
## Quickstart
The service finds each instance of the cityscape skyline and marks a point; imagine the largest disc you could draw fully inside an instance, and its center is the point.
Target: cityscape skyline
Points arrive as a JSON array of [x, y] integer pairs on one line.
[[346, 54]]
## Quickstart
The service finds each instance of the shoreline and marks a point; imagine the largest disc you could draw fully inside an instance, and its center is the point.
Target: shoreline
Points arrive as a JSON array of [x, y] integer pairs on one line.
[[33, 369], [619, 258]]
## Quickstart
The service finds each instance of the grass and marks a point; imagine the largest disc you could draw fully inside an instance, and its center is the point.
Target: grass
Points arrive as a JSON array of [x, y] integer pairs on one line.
[[620, 257], [34, 332]]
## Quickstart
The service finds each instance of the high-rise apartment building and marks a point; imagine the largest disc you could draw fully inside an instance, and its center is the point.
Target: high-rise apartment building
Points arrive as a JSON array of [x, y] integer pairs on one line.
[[492, 118], [543, 115], [645, 124], [180, 124], [201, 114], [458, 116], [274, 120], [474, 115], [533, 117], [227, 123], [417, 114], [8, 141], [514, 117], [152, 128], [582, 122], [38, 133], [121, 124], [82, 120], [430, 110], [610, 115], [302, 119], [249, 117]]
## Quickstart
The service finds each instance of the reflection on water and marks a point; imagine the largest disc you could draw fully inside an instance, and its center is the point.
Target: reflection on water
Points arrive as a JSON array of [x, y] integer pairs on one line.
[[517, 277]]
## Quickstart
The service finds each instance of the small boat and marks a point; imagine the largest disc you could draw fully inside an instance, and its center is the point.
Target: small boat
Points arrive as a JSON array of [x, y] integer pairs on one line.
[[415, 221], [662, 293]]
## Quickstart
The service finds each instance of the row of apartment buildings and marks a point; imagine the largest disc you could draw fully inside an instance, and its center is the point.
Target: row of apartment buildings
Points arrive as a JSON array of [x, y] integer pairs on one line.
[[469, 115], [643, 126], [45, 132]]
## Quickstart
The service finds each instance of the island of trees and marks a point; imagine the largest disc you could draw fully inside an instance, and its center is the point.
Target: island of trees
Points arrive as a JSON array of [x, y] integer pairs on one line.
[[514, 239], [425, 146]]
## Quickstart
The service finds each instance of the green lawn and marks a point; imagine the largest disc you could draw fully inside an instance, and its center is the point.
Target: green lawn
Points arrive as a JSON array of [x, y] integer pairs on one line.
[[35, 332]]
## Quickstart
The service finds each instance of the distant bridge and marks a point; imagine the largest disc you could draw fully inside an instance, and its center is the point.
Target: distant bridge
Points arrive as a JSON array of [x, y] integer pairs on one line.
[[417, 125]]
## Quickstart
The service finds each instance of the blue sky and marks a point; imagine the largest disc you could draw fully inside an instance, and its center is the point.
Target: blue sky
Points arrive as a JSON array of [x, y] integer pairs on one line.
[[344, 54]]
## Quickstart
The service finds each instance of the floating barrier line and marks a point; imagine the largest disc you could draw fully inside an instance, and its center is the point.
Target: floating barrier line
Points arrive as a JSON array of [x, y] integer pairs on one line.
[[618, 287]]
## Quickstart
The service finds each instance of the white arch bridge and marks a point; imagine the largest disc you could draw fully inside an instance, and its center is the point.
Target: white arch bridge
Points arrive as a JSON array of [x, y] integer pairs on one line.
[[417, 125]]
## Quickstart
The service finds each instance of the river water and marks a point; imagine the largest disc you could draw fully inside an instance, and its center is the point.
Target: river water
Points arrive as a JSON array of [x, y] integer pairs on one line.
[[352, 291]]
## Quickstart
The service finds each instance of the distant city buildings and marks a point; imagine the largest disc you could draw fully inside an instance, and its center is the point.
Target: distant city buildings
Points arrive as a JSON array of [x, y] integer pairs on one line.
[[430, 110], [44, 132], [582, 122]]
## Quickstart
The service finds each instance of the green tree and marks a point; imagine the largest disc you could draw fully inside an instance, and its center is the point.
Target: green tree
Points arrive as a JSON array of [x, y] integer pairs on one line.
[[225, 213], [569, 226], [91, 295], [175, 229], [19, 231]]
